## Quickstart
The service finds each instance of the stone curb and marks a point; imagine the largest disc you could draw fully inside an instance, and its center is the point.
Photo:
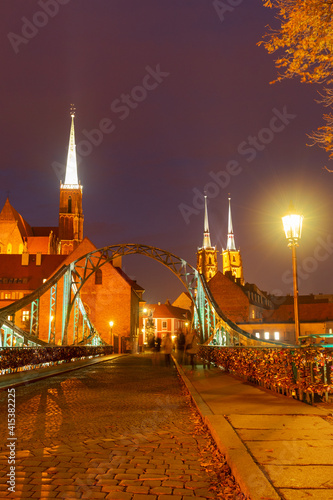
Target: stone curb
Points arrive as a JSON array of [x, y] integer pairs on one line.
[[34, 376], [251, 479]]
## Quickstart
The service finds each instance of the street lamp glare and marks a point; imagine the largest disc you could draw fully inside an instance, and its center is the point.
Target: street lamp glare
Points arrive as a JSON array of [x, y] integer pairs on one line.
[[111, 323], [292, 225]]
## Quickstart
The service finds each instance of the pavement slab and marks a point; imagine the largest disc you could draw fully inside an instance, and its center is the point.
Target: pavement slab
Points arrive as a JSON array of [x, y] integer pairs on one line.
[[277, 447]]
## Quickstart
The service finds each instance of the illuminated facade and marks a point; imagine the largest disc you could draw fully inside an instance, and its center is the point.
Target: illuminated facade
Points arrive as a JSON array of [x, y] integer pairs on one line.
[[207, 255], [231, 258]]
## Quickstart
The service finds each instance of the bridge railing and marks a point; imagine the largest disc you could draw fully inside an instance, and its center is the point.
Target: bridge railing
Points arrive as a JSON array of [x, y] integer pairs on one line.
[[305, 373], [13, 359]]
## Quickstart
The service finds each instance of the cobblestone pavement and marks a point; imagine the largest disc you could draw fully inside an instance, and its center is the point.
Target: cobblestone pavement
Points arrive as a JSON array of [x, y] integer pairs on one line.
[[122, 429]]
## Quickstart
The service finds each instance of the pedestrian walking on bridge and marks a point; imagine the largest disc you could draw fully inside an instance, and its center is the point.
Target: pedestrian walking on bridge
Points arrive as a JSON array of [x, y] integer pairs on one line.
[[191, 346], [167, 347]]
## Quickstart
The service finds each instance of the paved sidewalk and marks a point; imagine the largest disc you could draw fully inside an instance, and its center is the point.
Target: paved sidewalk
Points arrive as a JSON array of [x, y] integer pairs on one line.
[[277, 447]]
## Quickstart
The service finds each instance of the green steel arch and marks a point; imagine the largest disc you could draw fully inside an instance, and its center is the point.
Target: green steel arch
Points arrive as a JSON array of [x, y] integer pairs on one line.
[[208, 318]]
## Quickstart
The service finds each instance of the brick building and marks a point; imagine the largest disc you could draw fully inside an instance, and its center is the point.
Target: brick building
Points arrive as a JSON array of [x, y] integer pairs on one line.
[[30, 255], [166, 319]]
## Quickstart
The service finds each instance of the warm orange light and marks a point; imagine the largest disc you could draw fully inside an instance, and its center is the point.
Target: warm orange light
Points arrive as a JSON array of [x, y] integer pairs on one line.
[[292, 225]]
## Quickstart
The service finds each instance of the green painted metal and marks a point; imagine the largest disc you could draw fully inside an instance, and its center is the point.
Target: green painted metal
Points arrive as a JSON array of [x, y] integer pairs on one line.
[[67, 279], [34, 318], [76, 321], [53, 313], [207, 314]]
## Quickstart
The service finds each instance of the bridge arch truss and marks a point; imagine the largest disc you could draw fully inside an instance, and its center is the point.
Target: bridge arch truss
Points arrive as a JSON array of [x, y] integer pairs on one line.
[[208, 319]]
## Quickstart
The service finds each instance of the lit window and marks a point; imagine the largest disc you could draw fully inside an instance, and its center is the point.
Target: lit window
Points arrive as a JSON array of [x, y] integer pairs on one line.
[[164, 325], [258, 335], [253, 314], [8, 296], [266, 335], [25, 315], [276, 336]]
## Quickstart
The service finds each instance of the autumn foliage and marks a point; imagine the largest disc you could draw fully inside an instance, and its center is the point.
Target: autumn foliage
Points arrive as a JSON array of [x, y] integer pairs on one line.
[[303, 42]]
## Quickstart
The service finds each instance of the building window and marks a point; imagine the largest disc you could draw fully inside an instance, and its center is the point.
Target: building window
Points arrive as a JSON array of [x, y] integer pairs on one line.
[[276, 336], [253, 314], [69, 204], [8, 295], [25, 316], [98, 277], [9, 248], [266, 335], [164, 325], [258, 335]]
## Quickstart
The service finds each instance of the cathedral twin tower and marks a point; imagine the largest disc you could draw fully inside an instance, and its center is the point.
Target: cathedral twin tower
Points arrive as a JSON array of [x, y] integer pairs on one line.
[[231, 258]]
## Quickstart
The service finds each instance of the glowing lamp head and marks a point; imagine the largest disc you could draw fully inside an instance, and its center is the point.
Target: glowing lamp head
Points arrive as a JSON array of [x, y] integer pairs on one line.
[[292, 225], [111, 323]]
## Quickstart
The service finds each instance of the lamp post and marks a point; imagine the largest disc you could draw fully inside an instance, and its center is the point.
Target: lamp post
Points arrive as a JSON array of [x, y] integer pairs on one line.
[[111, 339], [292, 224]]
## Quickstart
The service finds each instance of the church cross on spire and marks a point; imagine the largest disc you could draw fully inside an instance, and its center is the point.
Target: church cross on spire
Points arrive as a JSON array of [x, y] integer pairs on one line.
[[231, 239], [71, 178]]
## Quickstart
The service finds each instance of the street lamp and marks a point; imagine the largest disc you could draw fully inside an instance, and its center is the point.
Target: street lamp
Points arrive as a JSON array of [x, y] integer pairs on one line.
[[111, 339], [292, 224]]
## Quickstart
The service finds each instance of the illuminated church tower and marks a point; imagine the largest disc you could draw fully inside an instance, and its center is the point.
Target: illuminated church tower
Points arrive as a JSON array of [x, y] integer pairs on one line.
[[207, 255], [70, 209], [231, 258]]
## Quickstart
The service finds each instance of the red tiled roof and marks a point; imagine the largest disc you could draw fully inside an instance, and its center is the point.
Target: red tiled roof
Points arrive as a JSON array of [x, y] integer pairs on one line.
[[168, 311], [38, 244], [11, 270], [9, 213], [307, 313]]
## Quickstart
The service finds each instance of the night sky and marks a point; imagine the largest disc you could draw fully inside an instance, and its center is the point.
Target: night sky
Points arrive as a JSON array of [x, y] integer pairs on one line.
[[185, 103]]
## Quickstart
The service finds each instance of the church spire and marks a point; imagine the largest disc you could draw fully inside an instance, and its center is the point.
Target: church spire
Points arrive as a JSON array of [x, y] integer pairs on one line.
[[231, 239], [231, 258], [206, 238], [70, 207], [71, 167], [207, 255]]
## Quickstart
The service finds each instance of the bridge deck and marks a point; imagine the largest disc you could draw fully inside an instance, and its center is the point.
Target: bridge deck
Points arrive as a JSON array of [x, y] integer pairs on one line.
[[122, 429]]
